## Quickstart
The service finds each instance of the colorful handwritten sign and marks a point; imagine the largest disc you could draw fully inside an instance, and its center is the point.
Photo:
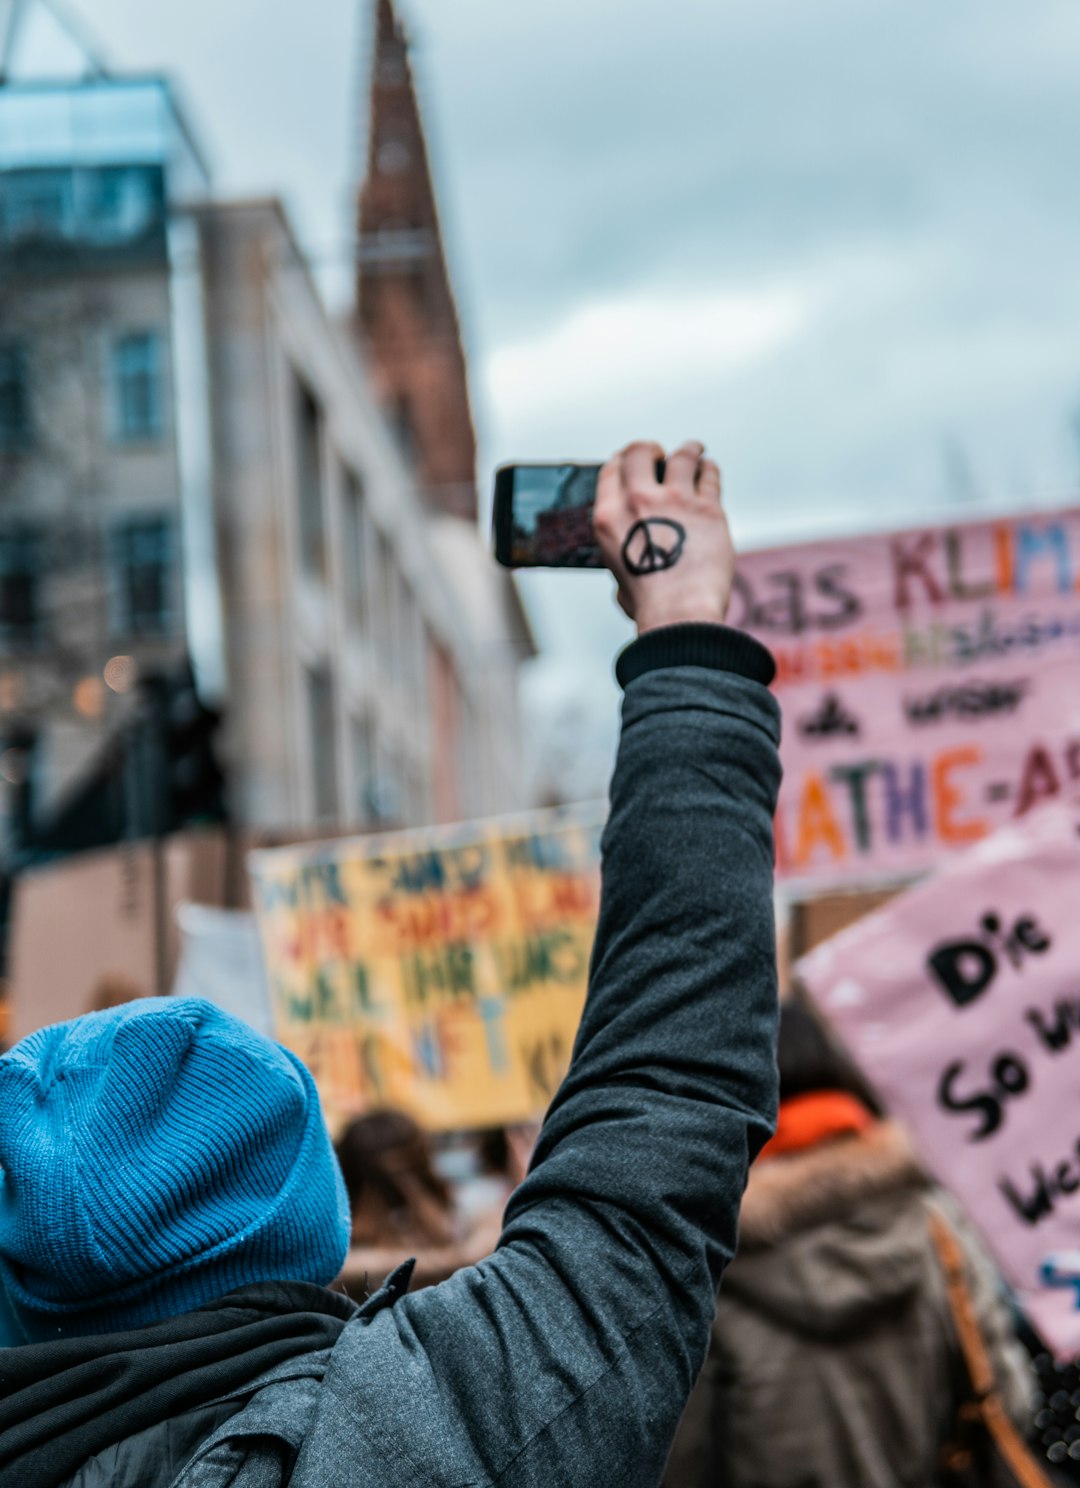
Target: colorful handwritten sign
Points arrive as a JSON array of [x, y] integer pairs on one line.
[[930, 682], [441, 971], [961, 1001]]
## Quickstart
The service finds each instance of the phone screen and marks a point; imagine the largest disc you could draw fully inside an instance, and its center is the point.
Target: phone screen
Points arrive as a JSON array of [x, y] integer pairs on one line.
[[543, 516]]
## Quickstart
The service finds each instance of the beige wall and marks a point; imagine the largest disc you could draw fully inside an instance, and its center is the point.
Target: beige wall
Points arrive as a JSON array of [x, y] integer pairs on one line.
[[96, 915], [267, 329]]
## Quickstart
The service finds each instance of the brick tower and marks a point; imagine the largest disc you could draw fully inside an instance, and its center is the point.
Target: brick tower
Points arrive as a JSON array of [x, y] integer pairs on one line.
[[405, 305]]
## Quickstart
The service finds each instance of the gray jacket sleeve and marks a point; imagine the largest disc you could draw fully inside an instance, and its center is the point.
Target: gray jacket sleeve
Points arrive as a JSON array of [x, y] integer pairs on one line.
[[568, 1356]]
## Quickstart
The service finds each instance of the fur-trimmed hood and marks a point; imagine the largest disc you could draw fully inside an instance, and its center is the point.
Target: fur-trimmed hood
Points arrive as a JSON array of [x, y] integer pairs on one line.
[[825, 1182], [832, 1234]]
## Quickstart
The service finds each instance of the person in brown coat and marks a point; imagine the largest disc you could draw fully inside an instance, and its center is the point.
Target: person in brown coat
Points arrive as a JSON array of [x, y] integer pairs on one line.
[[833, 1362]]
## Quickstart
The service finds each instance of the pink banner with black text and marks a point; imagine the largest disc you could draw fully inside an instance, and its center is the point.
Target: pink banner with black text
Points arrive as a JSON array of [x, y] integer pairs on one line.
[[930, 682], [960, 1000]]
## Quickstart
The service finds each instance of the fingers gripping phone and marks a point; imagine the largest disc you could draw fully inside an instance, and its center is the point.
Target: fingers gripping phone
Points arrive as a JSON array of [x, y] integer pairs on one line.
[[542, 515]]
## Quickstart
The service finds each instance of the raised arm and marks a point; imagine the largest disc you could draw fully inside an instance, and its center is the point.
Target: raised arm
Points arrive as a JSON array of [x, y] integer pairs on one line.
[[567, 1357]]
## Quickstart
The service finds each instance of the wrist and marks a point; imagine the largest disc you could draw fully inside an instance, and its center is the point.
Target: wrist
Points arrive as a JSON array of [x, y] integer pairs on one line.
[[703, 609]]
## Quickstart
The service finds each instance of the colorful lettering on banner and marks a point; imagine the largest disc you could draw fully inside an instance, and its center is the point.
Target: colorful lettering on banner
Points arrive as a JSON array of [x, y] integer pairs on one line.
[[961, 1002], [441, 971], [930, 682]]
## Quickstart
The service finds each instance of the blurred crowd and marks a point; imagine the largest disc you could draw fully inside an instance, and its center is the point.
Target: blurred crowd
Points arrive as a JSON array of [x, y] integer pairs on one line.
[[834, 1352], [411, 1199]]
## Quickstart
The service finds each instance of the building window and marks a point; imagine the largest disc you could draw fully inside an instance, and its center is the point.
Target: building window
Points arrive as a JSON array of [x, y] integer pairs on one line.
[[410, 639], [364, 787], [21, 572], [309, 481], [60, 208], [389, 806], [136, 387], [320, 688], [35, 206], [118, 204], [403, 428], [390, 70], [15, 428], [355, 538], [392, 157], [384, 595], [142, 576]]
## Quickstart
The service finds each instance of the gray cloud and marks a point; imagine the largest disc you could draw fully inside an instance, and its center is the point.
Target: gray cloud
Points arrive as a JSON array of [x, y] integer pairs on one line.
[[733, 140], [617, 149], [905, 171]]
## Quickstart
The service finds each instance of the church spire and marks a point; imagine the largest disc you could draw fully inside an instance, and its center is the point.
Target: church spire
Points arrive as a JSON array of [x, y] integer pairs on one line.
[[405, 304]]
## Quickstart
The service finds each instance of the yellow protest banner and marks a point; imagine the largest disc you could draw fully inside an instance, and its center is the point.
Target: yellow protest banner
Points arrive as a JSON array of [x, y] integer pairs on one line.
[[442, 971]]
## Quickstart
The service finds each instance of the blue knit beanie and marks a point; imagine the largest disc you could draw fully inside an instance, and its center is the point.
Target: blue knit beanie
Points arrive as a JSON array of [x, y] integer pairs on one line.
[[153, 1158]]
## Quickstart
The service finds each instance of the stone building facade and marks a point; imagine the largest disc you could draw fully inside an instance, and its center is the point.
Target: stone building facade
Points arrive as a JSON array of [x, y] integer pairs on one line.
[[195, 460], [91, 489], [344, 615]]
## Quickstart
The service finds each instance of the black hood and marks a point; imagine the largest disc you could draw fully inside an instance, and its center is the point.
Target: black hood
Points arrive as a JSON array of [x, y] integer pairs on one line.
[[62, 1402]]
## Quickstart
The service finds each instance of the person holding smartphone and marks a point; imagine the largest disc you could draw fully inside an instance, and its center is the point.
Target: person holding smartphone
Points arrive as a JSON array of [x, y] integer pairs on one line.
[[171, 1213]]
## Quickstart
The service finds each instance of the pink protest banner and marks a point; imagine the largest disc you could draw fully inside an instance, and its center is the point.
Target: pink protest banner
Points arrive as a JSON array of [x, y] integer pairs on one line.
[[961, 1002], [930, 682]]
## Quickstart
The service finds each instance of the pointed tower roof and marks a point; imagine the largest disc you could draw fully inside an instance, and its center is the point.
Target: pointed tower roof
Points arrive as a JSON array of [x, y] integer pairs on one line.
[[406, 314]]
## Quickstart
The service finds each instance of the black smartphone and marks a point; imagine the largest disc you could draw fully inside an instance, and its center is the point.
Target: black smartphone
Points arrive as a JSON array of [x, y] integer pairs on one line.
[[542, 516]]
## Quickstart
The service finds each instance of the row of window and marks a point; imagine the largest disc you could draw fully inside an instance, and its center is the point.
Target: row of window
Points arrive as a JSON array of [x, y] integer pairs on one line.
[[135, 393], [377, 599], [88, 206], [386, 790], [139, 580], [375, 590]]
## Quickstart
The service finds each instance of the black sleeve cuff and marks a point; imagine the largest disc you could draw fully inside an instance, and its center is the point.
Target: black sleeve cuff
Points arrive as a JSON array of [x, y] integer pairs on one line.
[[718, 647]]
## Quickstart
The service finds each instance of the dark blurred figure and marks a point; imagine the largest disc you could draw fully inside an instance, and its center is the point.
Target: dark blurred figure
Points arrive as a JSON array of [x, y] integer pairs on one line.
[[504, 1153], [833, 1362], [401, 1207], [494, 1152], [395, 1194]]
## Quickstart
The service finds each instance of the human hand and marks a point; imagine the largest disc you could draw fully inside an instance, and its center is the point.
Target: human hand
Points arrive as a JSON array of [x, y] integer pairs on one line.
[[668, 543]]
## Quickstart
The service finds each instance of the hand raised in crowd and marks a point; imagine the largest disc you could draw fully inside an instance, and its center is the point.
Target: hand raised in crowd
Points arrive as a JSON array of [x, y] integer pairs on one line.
[[667, 542]]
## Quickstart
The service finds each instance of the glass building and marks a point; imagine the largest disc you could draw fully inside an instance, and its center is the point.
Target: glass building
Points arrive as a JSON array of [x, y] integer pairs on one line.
[[107, 564], [90, 167]]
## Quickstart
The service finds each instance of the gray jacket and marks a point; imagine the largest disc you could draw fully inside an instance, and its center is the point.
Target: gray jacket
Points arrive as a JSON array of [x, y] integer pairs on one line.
[[567, 1356]]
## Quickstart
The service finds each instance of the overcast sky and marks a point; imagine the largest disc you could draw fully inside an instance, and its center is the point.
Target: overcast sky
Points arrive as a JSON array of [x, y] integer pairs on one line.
[[839, 242]]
